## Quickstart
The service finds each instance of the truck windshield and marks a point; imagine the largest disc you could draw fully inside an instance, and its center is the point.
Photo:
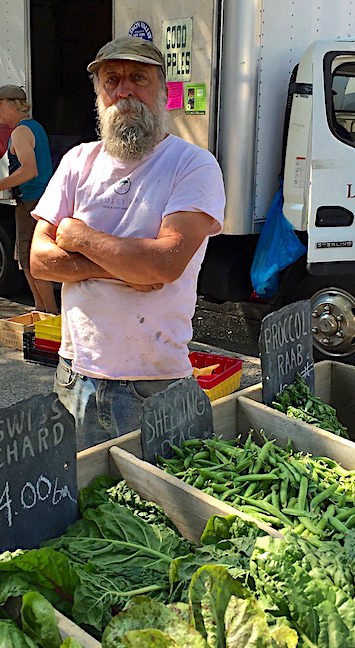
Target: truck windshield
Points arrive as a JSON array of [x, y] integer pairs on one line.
[[342, 101]]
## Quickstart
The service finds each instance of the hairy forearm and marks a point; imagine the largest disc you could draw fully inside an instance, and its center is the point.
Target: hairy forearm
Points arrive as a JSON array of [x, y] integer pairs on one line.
[[51, 263], [143, 261], [18, 177]]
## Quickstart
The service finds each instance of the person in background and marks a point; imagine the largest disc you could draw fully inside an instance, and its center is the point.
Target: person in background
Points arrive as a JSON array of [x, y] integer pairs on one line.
[[124, 223], [30, 169]]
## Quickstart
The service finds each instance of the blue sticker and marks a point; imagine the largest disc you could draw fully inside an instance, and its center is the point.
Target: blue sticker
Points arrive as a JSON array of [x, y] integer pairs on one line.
[[141, 29]]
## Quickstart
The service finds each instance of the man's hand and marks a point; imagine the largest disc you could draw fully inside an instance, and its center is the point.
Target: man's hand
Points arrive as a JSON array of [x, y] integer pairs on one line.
[[70, 233], [145, 288]]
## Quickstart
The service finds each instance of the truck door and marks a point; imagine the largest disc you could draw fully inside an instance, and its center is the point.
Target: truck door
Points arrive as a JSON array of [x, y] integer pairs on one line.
[[331, 205], [13, 30]]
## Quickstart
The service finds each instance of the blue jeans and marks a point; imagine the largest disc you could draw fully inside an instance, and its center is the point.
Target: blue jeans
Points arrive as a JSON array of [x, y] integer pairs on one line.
[[102, 409]]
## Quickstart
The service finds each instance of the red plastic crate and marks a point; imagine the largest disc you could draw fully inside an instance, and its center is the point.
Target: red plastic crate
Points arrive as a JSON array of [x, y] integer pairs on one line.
[[224, 380], [46, 345]]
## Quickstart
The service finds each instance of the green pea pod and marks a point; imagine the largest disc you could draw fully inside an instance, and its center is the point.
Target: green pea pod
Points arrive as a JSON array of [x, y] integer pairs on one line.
[[323, 495], [302, 494], [202, 454], [313, 528], [295, 512], [345, 513], [199, 482], [337, 524], [283, 491], [192, 443], [350, 522], [180, 453]]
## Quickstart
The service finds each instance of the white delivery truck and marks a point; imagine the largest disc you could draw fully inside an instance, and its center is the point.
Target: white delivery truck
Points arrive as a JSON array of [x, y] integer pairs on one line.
[[267, 85]]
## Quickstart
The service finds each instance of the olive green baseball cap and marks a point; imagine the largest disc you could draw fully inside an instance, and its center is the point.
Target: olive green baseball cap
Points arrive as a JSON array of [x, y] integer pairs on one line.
[[12, 92], [130, 48]]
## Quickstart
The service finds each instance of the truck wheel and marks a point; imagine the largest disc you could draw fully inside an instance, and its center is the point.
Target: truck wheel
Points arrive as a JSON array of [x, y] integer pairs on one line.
[[11, 278], [333, 317]]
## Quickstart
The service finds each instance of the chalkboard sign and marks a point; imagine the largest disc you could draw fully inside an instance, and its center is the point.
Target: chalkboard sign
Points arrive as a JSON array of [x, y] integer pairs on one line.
[[182, 411], [37, 472], [285, 344]]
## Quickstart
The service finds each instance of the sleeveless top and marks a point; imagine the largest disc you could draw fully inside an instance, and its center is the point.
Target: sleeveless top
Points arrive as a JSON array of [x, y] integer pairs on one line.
[[33, 189]]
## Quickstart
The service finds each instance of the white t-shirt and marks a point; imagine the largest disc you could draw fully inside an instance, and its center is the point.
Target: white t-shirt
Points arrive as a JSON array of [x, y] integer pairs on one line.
[[110, 330]]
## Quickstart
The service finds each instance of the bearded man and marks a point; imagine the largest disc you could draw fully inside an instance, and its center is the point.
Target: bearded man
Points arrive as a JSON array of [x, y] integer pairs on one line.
[[124, 224]]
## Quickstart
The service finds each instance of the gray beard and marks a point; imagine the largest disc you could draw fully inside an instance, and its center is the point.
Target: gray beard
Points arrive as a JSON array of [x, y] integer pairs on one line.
[[129, 129]]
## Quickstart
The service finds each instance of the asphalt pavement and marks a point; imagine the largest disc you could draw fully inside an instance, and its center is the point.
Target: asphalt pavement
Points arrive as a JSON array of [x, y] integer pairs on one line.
[[21, 379]]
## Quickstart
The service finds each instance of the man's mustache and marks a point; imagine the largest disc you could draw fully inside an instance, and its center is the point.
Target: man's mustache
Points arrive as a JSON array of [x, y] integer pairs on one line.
[[128, 105]]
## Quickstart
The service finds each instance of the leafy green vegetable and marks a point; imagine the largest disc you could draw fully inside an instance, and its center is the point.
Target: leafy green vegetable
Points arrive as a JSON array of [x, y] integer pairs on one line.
[[39, 621], [233, 555], [69, 642], [109, 536], [104, 489], [47, 571], [12, 637], [312, 586], [285, 637], [298, 401], [147, 639], [210, 591], [220, 527], [246, 625], [122, 556], [142, 613]]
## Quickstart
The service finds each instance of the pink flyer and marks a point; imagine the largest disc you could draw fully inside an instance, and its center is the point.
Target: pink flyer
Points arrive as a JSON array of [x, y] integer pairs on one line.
[[175, 95]]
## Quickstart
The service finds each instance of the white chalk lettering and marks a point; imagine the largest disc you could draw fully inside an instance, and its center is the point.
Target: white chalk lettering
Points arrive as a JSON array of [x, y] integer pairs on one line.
[[27, 446], [56, 411], [13, 452], [58, 433], [16, 426], [5, 503], [267, 339], [42, 436], [29, 492], [48, 486]]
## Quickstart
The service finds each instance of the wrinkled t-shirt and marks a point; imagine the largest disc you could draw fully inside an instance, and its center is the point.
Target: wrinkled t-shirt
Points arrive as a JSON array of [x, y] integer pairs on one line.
[[110, 330]]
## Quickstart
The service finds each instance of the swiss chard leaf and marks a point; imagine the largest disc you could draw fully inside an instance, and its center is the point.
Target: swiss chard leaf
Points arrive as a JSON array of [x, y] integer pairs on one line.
[[45, 570], [69, 642], [142, 613], [110, 536], [12, 637], [210, 591], [39, 621], [246, 625], [225, 554]]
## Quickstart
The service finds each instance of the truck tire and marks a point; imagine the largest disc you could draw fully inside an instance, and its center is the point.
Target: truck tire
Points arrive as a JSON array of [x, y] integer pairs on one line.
[[11, 278], [333, 316]]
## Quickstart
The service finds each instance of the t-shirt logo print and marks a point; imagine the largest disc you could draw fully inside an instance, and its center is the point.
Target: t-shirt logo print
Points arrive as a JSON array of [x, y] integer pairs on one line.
[[123, 186]]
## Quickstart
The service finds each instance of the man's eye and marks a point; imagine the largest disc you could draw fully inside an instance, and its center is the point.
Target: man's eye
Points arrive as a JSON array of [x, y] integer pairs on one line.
[[111, 80]]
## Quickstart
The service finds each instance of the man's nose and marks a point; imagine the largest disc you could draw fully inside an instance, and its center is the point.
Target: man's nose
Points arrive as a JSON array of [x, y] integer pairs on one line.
[[123, 89]]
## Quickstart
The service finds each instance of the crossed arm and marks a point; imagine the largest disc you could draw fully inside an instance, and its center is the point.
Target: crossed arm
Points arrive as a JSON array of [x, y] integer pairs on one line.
[[75, 252]]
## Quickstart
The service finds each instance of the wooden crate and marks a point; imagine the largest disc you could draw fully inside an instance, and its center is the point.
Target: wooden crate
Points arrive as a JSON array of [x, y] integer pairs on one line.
[[188, 507], [335, 385], [13, 328], [68, 628]]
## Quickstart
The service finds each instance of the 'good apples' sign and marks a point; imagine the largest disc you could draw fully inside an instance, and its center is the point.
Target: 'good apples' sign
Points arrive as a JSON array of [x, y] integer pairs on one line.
[[176, 48]]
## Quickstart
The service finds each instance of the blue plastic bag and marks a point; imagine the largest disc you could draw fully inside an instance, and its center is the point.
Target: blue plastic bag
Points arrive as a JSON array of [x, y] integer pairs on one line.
[[278, 246]]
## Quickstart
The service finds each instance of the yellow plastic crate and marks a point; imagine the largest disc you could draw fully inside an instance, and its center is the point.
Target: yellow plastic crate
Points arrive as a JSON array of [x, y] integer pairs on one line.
[[224, 380], [225, 387], [49, 329]]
